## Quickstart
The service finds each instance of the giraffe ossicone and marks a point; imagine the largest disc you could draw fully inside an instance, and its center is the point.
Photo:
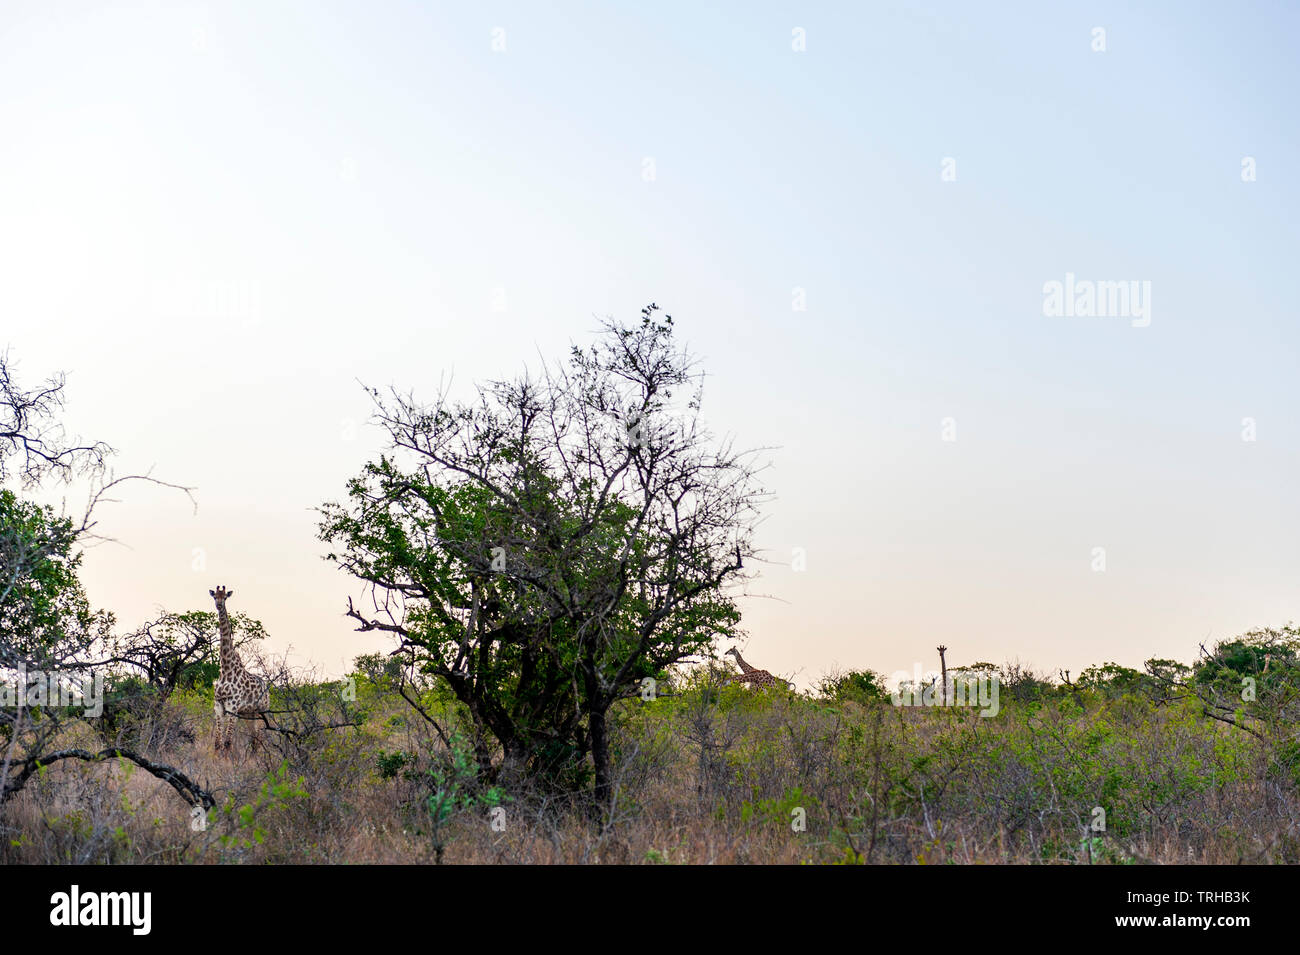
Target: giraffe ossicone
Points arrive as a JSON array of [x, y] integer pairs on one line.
[[237, 692]]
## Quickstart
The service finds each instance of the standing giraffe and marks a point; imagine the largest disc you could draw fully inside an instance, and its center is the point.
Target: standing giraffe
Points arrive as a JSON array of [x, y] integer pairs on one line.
[[943, 665], [749, 674], [237, 692]]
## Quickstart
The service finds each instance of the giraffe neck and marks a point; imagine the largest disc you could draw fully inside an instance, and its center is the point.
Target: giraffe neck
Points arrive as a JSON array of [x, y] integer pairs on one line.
[[744, 667], [230, 662]]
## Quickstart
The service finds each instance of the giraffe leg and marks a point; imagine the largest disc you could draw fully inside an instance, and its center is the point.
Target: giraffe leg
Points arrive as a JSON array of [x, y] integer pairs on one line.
[[218, 713], [225, 734]]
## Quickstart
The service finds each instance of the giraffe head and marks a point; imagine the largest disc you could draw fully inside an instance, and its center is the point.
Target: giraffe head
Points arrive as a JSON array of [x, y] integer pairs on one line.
[[732, 652], [221, 595]]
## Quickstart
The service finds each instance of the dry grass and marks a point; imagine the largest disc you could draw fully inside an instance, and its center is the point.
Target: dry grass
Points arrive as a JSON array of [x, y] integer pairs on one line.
[[704, 777]]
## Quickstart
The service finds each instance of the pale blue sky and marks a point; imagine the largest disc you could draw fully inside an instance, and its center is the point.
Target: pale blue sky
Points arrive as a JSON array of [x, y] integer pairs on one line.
[[217, 217]]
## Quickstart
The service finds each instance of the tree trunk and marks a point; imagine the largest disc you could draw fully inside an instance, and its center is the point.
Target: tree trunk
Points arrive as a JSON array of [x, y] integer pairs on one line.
[[600, 758], [483, 755], [514, 762]]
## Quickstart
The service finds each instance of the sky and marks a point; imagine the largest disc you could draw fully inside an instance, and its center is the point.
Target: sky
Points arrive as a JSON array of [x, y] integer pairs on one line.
[[221, 219]]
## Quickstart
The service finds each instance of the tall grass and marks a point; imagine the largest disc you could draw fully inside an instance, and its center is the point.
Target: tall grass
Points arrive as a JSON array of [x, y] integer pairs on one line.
[[707, 775]]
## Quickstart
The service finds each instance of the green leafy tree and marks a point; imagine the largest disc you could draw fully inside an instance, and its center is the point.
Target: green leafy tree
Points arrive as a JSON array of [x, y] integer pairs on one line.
[[551, 545], [1250, 682], [45, 616]]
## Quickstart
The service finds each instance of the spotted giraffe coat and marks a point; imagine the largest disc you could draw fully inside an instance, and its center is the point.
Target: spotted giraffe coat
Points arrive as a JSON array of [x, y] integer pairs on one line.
[[237, 692]]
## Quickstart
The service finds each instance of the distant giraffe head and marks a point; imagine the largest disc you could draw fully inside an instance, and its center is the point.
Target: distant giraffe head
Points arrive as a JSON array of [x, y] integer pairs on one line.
[[220, 595]]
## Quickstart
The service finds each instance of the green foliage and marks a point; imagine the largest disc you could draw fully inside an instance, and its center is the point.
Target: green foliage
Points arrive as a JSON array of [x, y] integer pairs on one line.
[[858, 686], [777, 812], [1020, 684], [44, 612], [278, 796], [381, 670], [1284, 762], [391, 764], [1113, 679], [1248, 656], [1230, 661], [1096, 850], [454, 786]]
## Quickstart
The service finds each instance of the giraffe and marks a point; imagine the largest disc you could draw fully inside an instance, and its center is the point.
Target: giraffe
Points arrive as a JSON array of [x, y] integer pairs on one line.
[[237, 692], [749, 674], [943, 665]]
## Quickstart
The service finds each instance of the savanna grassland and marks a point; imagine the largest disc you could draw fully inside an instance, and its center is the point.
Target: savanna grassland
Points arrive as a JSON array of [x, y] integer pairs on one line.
[[557, 563], [1115, 767]]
